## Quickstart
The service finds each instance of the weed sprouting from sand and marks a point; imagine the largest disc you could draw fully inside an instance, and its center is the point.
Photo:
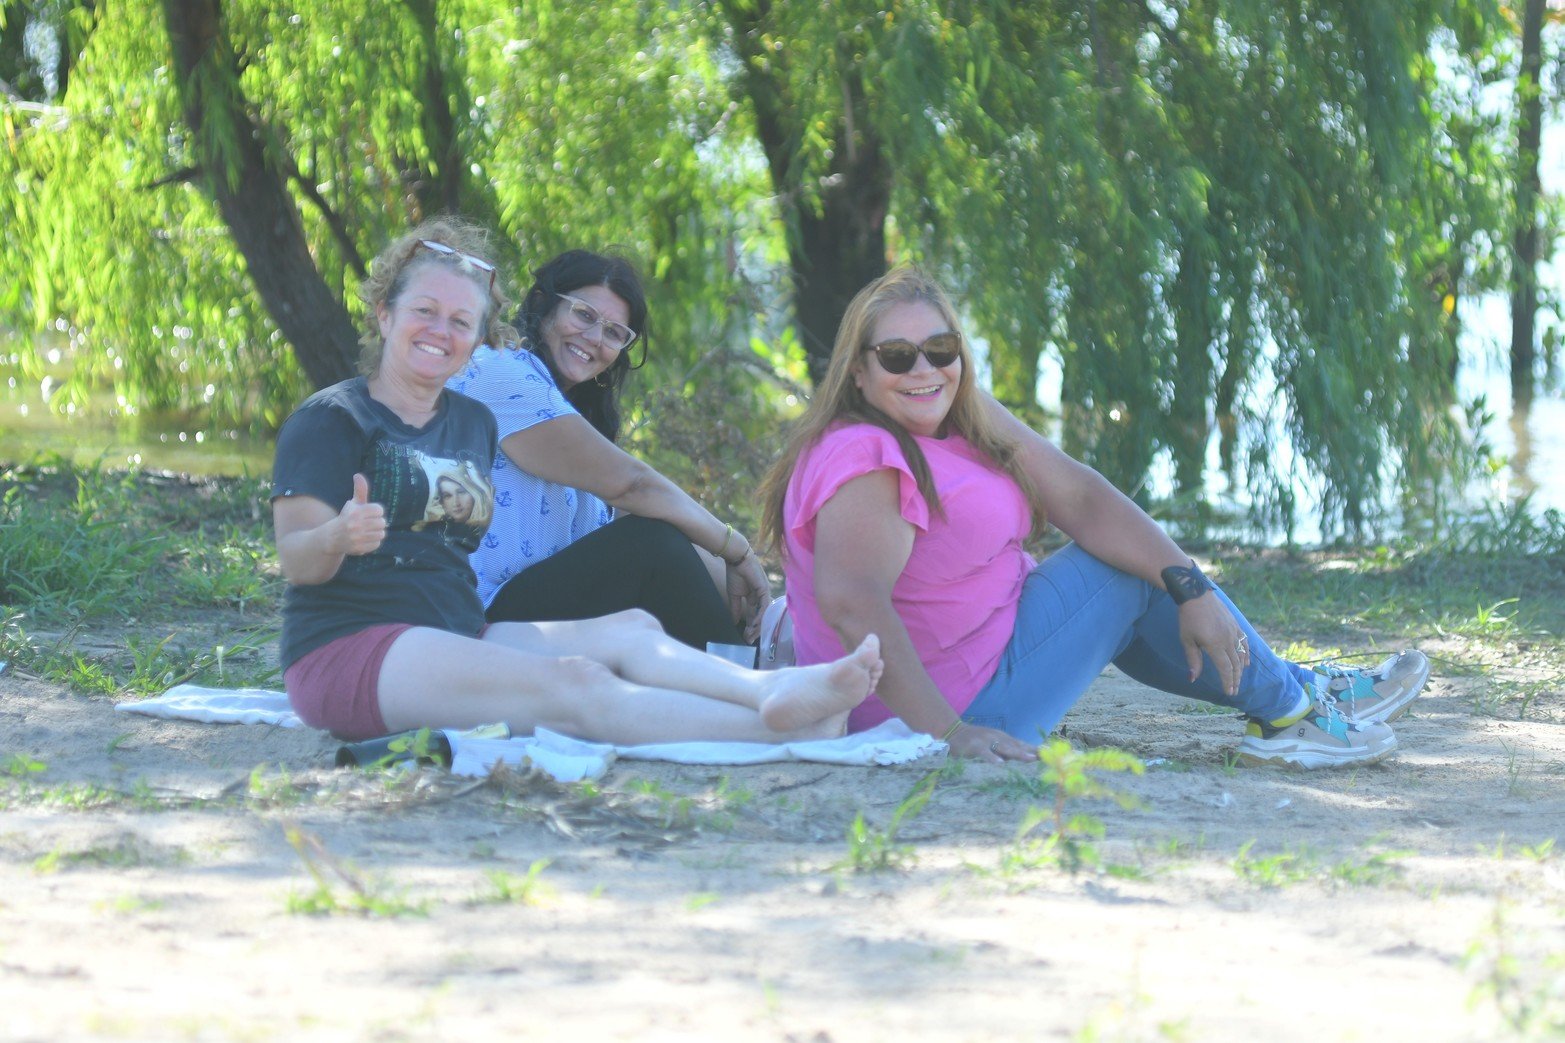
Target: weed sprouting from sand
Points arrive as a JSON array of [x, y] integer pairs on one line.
[[675, 809], [1378, 869], [1295, 865], [123, 853], [515, 888], [1175, 850], [1274, 871], [1016, 785], [1065, 776], [877, 850], [129, 905], [1529, 995], [1539, 852], [273, 789], [357, 895], [21, 766], [1518, 699]]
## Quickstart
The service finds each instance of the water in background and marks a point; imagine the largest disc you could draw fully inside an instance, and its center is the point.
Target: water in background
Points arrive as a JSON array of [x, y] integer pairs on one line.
[[100, 431]]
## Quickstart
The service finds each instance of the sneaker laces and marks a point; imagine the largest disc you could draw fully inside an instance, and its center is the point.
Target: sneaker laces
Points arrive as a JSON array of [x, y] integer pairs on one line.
[[1334, 670], [1320, 688], [1330, 709]]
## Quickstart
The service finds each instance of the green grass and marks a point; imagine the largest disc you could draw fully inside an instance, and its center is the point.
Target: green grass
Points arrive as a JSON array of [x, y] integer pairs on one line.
[[1487, 591], [68, 558], [85, 546]]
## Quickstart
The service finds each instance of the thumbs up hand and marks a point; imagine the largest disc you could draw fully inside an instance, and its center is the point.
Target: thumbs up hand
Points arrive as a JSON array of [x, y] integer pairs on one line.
[[363, 523]]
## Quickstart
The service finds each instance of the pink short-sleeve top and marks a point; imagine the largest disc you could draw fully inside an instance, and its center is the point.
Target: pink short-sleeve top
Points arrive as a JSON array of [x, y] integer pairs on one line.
[[957, 594]]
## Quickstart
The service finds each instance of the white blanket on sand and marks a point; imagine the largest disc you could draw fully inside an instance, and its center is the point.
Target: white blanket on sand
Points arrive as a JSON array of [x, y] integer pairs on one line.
[[562, 757]]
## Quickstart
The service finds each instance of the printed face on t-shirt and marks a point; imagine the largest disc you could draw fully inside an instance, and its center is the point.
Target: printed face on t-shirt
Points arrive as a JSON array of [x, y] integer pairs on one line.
[[459, 496]]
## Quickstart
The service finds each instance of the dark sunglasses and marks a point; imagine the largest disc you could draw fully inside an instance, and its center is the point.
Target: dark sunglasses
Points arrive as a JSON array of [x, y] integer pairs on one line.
[[451, 251], [899, 356]]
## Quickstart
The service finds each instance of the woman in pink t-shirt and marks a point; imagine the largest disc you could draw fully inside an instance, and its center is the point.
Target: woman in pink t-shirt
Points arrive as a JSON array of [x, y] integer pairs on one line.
[[901, 505]]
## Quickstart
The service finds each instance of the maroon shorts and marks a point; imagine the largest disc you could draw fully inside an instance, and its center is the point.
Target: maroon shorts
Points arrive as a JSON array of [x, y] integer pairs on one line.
[[337, 686]]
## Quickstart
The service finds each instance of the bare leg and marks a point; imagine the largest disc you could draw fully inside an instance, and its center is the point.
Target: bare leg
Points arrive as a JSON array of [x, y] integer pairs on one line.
[[435, 679], [635, 648]]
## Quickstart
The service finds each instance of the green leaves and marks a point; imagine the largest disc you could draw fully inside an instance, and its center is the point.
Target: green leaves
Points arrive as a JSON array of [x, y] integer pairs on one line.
[[1222, 219]]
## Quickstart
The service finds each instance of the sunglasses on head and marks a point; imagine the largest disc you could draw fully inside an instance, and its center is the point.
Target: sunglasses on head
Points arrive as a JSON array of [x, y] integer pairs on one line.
[[451, 251], [616, 335], [899, 356]]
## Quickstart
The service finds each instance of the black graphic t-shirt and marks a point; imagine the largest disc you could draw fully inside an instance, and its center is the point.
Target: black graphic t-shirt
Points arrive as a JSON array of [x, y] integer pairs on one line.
[[433, 482]]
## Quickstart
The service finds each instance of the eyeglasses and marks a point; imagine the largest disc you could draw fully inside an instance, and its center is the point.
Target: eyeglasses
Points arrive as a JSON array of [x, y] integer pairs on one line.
[[451, 251], [616, 335], [899, 356]]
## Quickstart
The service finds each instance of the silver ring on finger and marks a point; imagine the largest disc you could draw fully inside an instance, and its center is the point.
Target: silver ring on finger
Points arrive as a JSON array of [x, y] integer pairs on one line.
[[994, 747]]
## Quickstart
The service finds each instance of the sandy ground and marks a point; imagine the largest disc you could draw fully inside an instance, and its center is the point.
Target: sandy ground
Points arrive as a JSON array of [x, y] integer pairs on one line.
[[699, 903]]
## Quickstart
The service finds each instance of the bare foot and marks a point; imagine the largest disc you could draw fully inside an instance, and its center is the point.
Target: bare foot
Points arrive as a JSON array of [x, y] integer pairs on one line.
[[801, 696]]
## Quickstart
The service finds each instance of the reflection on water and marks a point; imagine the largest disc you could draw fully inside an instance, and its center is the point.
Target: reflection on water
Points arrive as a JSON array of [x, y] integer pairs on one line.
[[1533, 444], [1527, 447], [28, 428], [1528, 442]]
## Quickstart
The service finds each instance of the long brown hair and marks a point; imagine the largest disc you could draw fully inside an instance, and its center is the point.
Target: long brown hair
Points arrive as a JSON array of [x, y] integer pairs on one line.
[[838, 398]]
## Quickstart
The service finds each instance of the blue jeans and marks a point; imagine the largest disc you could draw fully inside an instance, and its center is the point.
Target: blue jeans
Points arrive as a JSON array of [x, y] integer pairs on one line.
[[1077, 615]]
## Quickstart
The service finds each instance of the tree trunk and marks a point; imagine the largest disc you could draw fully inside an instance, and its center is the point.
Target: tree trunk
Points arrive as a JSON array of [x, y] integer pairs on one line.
[[832, 253], [439, 190], [1195, 318], [844, 246], [251, 194], [1524, 263]]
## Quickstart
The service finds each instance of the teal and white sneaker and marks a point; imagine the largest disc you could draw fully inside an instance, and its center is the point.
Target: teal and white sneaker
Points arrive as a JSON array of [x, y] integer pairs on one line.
[[1378, 694], [1318, 737]]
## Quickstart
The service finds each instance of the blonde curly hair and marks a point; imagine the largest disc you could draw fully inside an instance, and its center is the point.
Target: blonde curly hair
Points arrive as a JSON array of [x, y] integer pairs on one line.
[[392, 269]]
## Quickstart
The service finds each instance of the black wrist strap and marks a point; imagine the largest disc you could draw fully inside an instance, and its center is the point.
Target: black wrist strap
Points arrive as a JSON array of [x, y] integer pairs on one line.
[[1185, 583]]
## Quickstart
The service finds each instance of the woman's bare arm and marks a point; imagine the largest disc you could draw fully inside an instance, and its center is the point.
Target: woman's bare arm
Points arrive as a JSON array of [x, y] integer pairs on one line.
[[569, 451], [313, 539], [862, 544], [1107, 524]]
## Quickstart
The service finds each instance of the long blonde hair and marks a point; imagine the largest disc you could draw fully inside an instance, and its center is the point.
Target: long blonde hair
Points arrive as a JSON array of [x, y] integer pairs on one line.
[[838, 398]]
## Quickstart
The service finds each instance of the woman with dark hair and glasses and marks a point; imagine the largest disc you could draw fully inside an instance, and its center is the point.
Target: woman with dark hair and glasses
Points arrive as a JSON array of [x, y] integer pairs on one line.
[[901, 505], [379, 494], [581, 527]]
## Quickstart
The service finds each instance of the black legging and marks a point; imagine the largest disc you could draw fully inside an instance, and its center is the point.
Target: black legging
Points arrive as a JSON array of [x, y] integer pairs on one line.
[[631, 562]]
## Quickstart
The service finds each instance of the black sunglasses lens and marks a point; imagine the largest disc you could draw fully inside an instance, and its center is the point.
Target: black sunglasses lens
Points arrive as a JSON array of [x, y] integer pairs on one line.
[[896, 356], [942, 349]]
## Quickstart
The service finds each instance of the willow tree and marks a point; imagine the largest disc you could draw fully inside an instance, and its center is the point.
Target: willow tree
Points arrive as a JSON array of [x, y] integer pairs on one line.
[[204, 193], [1228, 214], [1214, 212]]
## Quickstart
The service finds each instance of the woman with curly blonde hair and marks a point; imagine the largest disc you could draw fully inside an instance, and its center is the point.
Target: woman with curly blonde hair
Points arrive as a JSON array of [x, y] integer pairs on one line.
[[383, 629]]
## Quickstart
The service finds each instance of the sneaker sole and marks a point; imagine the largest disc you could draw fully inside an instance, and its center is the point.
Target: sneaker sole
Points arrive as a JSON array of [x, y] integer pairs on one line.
[[1310, 757]]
